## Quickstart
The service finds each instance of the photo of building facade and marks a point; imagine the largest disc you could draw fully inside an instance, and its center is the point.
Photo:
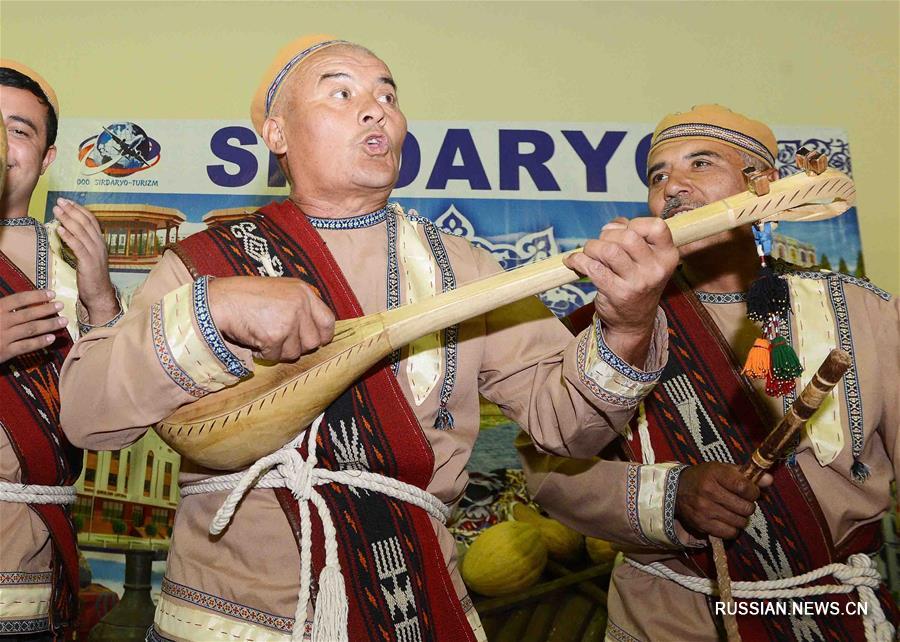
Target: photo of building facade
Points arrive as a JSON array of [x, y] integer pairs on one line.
[[793, 251], [136, 233], [130, 493]]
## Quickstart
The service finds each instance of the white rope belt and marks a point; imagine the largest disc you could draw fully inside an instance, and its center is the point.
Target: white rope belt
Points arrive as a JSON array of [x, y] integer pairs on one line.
[[36, 494], [302, 476], [859, 574], [320, 476]]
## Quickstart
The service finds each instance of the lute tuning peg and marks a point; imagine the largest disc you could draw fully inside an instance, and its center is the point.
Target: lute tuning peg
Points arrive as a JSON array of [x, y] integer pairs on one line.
[[811, 162], [757, 181]]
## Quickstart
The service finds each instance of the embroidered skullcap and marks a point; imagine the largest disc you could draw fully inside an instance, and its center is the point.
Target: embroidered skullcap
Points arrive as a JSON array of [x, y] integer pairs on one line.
[[286, 62], [714, 122], [36, 77]]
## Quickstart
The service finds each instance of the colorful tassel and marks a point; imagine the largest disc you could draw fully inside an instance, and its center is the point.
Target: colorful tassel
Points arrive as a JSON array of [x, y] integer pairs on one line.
[[759, 360], [785, 363], [859, 471], [767, 297], [762, 236], [768, 303], [776, 387], [443, 420]]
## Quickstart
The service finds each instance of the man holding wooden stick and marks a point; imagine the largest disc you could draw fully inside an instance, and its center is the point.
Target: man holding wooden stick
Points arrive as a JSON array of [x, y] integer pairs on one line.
[[338, 561], [673, 477]]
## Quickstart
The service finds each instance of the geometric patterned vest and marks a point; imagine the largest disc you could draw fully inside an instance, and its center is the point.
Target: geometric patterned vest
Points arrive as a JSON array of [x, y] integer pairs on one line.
[[703, 409], [396, 580]]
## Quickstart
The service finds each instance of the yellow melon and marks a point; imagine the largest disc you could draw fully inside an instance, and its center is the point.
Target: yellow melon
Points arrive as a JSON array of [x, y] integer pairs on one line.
[[563, 543], [506, 558], [599, 550]]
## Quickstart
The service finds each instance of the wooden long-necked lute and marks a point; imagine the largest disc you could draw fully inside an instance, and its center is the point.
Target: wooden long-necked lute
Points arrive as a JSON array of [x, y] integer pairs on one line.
[[232, 428]]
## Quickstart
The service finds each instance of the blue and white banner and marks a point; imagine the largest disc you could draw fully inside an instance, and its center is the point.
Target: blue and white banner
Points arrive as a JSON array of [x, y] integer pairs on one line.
[[522, 190]]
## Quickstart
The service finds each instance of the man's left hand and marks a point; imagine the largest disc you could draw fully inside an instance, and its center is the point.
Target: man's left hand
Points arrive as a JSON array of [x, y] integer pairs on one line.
[[629, 265], [80, 230]]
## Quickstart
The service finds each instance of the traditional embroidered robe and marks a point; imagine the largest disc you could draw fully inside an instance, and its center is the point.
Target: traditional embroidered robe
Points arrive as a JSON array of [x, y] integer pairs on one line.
[[827, 310], [518, 356], [38, 558]]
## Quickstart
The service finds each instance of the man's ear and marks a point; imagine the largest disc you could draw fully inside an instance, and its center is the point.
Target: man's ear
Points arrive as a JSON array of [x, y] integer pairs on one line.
[[49, 157], [273, 135], [772, 174]]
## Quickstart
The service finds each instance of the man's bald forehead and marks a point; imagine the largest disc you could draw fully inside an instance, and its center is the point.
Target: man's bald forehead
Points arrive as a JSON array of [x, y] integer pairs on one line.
[[309, 73], [355, 47], [336, 50]]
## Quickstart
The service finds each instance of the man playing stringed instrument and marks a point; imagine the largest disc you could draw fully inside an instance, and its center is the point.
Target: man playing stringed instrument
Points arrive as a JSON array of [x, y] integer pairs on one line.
[[676, 480], [42, 299], [375, 542]]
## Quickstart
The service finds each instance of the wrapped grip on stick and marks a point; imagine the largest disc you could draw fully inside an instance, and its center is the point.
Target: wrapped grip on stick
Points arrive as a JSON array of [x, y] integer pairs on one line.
[[774, 447], [780, 440]]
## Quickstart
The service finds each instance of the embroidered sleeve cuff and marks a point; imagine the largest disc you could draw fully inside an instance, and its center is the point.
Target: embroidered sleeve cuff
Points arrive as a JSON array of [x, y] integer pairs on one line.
[[84, 327], [611, 378], [210, 333], [650, 495], [189, 346]]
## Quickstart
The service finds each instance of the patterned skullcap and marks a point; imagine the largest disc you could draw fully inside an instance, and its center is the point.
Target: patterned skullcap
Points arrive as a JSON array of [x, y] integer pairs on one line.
[[286, 61], [36, 77], [714, 122]]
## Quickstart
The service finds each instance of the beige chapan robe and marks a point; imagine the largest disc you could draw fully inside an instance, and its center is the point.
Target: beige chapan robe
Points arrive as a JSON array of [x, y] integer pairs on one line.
[[25, 548], [520, 357], [24, 540], [643, 607]]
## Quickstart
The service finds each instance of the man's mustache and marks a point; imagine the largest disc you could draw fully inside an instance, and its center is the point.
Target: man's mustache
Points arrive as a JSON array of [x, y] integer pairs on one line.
[[676, 202]]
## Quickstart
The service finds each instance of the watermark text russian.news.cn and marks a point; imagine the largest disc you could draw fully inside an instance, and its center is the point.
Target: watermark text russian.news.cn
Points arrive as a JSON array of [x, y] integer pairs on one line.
[[791, 607]]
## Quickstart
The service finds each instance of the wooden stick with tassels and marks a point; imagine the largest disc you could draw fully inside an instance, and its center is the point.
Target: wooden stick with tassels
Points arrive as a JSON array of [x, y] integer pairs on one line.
[[777, 445], [232, 428]]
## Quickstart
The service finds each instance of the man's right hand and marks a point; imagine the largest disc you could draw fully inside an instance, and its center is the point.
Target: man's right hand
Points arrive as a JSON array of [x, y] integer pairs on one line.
[[716, 499], [279, 319], [27, 322], [629, 264]]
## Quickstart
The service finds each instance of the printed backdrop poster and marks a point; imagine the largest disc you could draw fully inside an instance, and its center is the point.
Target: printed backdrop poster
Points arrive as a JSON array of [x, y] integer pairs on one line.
[[523, 191]]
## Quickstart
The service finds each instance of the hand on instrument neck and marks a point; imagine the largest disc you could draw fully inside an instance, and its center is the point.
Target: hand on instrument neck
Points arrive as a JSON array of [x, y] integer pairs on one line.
[[629, 264]]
